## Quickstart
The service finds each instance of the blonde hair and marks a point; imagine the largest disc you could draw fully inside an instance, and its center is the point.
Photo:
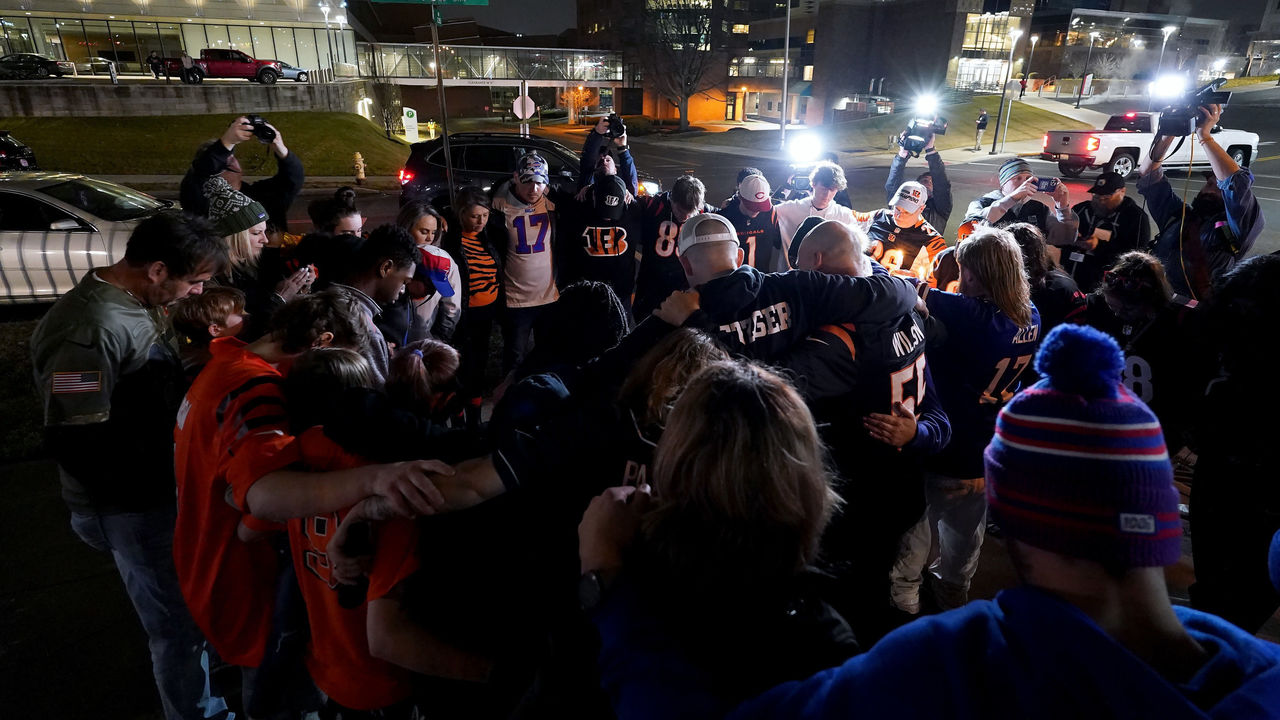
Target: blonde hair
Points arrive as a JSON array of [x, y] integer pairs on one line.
[[993, 258], [740, 480], [244, 255], [655, 383]]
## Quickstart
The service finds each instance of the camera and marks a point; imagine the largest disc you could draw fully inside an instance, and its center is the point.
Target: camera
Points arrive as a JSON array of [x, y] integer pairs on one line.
[[617, 128], [920, 131], [1184, 116], [801, 182], [260, 129]]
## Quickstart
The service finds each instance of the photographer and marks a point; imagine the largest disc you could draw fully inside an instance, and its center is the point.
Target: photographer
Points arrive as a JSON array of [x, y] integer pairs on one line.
[[217, 157], [1111, 225], [938, 209], [1221, 223], [596, 146], [1015, 202]]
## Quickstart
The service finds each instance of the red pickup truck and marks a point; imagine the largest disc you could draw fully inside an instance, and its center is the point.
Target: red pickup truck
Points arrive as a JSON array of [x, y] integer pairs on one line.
[[225, 64]]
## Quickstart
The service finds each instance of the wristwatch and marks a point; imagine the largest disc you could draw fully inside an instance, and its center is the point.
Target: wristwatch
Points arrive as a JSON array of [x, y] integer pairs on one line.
[[591, 589]]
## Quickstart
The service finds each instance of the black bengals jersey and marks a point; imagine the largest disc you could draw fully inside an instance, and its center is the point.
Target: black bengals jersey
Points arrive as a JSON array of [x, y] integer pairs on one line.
[[660, 271]]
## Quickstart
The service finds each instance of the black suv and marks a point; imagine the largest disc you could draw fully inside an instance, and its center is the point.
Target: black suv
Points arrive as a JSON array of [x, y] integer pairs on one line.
[[14, 154], [486, 160]]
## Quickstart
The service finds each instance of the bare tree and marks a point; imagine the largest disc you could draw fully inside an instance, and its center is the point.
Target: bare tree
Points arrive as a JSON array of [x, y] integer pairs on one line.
[[1108, 65], [387, 96], [679, 48]]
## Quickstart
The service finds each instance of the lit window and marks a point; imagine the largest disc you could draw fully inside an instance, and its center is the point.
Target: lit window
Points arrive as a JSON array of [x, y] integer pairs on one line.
[[808, 37], [808, 72], [741, 29]]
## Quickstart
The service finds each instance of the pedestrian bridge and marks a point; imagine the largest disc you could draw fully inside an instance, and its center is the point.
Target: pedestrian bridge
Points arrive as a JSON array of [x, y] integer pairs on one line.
[[472, 65]]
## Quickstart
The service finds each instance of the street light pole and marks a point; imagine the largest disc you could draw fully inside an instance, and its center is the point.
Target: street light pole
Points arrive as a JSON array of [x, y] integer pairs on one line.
[[1167, 30], [1031, 56], [786, 58], [1093, 36], [1013, 43], [324, 8]]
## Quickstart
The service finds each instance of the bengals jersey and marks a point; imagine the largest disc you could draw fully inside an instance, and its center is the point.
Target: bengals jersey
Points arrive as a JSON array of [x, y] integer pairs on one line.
[[898, 248], [660, 271], [1164, 362], [758, 236], [601, 250]]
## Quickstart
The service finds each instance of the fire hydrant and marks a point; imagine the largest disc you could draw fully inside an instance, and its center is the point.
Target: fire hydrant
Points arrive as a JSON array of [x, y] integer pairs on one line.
[[358, 161]]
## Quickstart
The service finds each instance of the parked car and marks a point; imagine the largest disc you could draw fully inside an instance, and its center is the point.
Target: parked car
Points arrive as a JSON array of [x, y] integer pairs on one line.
[[95, 66], [226, 64], [1126, 139], [487, 159], [289, 72], [55, 227], [28, 66], [14, 154]]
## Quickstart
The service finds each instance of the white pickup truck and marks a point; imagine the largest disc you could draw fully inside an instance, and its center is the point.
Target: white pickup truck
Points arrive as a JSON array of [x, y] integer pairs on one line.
[[1126, 139]]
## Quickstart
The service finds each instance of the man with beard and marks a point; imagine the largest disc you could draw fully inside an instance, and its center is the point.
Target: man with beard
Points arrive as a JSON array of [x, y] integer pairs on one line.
[[1197, 243], [1110, 226]]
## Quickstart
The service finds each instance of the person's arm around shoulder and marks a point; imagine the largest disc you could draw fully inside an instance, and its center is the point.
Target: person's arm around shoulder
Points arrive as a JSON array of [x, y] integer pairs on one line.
[[406, 486], [834, 299]]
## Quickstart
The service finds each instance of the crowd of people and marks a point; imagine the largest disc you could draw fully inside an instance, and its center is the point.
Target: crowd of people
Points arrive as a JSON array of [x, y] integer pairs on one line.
[[589, 453]]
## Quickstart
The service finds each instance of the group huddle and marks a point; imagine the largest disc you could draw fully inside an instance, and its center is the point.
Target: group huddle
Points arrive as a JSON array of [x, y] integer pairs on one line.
[[725, 461]]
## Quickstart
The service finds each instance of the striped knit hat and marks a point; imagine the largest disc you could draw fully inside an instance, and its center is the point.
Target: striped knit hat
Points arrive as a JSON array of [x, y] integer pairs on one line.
[[1078, 464]]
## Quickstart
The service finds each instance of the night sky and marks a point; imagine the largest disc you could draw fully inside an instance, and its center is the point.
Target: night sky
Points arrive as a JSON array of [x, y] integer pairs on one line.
[[528, 17]]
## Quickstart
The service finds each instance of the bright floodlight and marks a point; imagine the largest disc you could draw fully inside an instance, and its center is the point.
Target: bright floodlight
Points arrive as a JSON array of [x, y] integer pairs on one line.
[[927, 104], [803, 148], [1219, 63], [1169, 86]]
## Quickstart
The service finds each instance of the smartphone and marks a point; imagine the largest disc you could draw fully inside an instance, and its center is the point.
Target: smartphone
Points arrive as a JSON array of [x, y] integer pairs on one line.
[[1101, 234], [1046, 185]]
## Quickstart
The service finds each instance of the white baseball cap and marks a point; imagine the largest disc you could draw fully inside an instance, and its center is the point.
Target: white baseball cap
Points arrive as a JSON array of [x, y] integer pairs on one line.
[[705, 228], [754, 194], [911, 196]]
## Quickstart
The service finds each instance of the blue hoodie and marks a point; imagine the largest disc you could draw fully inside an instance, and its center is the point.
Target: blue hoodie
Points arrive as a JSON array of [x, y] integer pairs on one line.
[[1025, 654]]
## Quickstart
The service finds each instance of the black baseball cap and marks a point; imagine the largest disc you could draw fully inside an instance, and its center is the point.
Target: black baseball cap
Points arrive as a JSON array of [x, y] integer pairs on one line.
[[610, 195], [1107, 183]]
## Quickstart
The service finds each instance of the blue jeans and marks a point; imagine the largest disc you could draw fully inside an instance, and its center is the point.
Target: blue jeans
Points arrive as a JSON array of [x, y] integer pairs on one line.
[[142, 546]]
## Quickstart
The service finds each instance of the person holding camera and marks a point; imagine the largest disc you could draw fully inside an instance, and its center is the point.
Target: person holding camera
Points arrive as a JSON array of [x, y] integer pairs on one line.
[[217, 157], [1016, 201], [1201, 241], [608, 131], [1110, 226], [937, 210]]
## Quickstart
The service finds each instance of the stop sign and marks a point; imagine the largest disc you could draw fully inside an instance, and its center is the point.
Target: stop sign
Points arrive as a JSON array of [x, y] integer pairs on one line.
[[523, 107]]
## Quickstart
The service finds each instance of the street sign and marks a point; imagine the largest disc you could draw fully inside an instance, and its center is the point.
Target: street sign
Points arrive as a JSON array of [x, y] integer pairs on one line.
[[410, 119], [523, 107]]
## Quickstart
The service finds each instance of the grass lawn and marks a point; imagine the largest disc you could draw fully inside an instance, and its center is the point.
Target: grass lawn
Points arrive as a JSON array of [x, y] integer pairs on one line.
[[1026, 123], [165, 145]]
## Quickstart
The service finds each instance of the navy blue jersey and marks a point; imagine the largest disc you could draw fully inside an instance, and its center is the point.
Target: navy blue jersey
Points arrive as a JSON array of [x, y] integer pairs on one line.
[[977, 367], [660, 271], [758, 236], [760, 316]]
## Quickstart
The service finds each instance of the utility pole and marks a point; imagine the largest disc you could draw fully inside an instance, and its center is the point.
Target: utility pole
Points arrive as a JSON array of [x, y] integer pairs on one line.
[[786, 60], [1004, 88], [1093, 36]]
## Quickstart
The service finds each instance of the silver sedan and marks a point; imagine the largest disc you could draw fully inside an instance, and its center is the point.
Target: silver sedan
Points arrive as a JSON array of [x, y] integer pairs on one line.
[[56, 227]]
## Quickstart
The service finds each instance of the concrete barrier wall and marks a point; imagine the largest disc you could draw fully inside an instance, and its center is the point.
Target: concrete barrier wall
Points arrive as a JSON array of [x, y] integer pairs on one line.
[[56, 98]]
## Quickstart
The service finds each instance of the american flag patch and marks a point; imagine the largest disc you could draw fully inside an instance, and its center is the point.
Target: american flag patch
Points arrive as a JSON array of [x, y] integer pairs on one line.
[[77, 382]]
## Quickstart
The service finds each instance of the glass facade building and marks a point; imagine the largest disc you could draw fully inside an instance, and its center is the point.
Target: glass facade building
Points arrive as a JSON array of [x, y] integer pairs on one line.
[[89, 40], [462, 62]]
